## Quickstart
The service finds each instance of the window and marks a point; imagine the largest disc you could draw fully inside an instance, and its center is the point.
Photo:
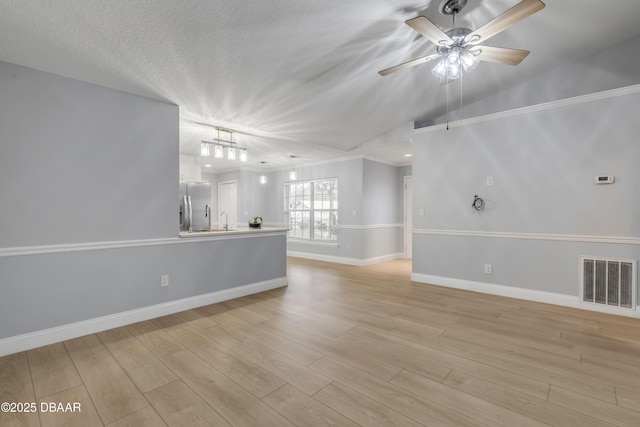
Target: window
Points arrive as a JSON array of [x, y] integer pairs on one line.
[[313, 209]]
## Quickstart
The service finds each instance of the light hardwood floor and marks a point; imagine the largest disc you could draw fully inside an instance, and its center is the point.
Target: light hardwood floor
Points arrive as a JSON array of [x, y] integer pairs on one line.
[[342, 345]]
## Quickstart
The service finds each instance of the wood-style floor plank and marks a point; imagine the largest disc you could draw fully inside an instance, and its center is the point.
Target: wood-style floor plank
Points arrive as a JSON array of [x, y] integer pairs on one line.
[[547, 374], [236, 405], [156, 339], [342, 345], [361, 409], [145, 417], [628, 399], [52, 369], [77, 409], [16, 387], [182, 407], [412, 405], [289, 370], [253, 378], [463, 403], [298, 352], [112, 391], [354, 357], [303, 410], [536, 408], [604, 411], [146, 371]]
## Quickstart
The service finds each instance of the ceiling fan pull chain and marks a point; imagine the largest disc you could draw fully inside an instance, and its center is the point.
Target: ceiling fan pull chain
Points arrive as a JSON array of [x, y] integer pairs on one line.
[[461, 96], [447, 92]]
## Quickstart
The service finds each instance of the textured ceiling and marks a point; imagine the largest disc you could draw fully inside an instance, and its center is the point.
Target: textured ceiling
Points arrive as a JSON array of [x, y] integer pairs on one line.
[[291, 76]]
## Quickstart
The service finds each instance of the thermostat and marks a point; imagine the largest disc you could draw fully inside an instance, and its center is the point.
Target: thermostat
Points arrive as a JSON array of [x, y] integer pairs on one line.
[[605, 179]]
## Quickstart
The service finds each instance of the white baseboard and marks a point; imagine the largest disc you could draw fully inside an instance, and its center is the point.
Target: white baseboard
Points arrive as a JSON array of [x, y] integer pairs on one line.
[[73, 330], [572, 301], [343, 260]]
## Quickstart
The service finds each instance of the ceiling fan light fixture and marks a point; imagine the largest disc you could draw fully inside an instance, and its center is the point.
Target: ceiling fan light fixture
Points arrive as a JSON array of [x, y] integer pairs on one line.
[[469, 61], [440, 70], [454, 64]]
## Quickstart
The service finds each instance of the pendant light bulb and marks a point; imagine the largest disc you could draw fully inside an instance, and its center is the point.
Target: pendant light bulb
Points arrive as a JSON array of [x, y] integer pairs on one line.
[[262, 178], [293, 174], [218, 152]]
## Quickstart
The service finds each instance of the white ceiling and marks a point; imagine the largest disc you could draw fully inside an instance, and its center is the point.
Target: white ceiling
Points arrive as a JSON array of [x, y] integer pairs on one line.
[[291, 76]]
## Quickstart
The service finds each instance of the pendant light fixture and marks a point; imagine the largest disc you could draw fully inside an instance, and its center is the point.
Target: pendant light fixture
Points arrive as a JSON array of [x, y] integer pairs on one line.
[[262, 178], [218, 152], [293, 174], [219, 146], [204, 149]]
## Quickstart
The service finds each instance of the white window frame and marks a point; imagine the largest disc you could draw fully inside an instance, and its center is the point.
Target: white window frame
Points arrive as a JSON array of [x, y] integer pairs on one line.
[[329, 235]]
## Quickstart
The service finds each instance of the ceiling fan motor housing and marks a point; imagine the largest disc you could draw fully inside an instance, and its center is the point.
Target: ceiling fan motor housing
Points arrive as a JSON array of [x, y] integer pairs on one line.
[[458, 36], [452, 7]]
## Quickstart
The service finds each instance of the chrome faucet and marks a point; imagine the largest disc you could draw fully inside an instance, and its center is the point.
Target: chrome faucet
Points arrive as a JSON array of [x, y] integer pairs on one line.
[[226, 223], [207, 213]]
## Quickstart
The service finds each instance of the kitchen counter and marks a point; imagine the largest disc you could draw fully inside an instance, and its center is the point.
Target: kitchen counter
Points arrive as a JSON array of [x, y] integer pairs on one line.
[[240, 232]]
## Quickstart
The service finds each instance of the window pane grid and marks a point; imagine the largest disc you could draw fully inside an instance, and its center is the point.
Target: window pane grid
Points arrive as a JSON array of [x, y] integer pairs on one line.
[[313, 209]]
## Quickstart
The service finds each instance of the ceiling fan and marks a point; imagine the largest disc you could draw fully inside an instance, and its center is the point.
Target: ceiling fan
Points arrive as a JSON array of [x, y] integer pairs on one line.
[[460, 49]]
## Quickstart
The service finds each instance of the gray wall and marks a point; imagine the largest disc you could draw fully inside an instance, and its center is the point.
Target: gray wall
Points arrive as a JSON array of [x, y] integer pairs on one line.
[[81, 164], [381, 201], [543, 164], [374, 190], [49, 290], [371, 190]]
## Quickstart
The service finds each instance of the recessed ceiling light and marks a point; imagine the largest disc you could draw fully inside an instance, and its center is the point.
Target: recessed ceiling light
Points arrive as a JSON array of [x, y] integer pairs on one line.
[[408, 155], [207, 166]]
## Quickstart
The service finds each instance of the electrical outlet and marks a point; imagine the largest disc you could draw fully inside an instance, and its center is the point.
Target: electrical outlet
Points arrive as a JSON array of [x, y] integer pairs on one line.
[[487, 268], [164, 280], [489, 180]]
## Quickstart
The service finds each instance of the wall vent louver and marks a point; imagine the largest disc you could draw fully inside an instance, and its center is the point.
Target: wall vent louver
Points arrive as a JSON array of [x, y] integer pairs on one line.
[[610, 282]]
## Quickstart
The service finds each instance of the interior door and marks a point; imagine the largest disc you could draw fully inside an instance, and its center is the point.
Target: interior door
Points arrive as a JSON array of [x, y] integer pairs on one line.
[[228, 202]]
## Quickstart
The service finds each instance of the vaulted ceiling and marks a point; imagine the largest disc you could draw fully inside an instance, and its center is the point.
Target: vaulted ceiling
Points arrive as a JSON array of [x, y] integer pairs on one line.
[[291, 76]]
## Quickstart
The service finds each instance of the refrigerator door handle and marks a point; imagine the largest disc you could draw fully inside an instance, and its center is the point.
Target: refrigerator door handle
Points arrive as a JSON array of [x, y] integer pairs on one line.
[[186, 213]]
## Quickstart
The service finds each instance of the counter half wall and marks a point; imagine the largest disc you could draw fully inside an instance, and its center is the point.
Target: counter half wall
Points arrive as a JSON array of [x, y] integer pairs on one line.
[[55, 293]]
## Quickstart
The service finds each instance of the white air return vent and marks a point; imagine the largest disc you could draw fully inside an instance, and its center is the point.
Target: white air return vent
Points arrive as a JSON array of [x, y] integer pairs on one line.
[[610, 282]]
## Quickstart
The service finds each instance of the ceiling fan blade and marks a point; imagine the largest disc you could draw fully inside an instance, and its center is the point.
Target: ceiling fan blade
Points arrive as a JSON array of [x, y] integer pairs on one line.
[[408, 64], [428, 29], [501, 55], [500, 23]]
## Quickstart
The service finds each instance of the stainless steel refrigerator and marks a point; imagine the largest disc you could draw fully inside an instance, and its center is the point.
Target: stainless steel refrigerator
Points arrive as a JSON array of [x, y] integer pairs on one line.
[[195, 206]]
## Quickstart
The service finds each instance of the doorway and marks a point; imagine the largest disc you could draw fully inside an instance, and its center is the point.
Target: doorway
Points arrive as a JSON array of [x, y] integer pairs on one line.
[[228, 203]]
